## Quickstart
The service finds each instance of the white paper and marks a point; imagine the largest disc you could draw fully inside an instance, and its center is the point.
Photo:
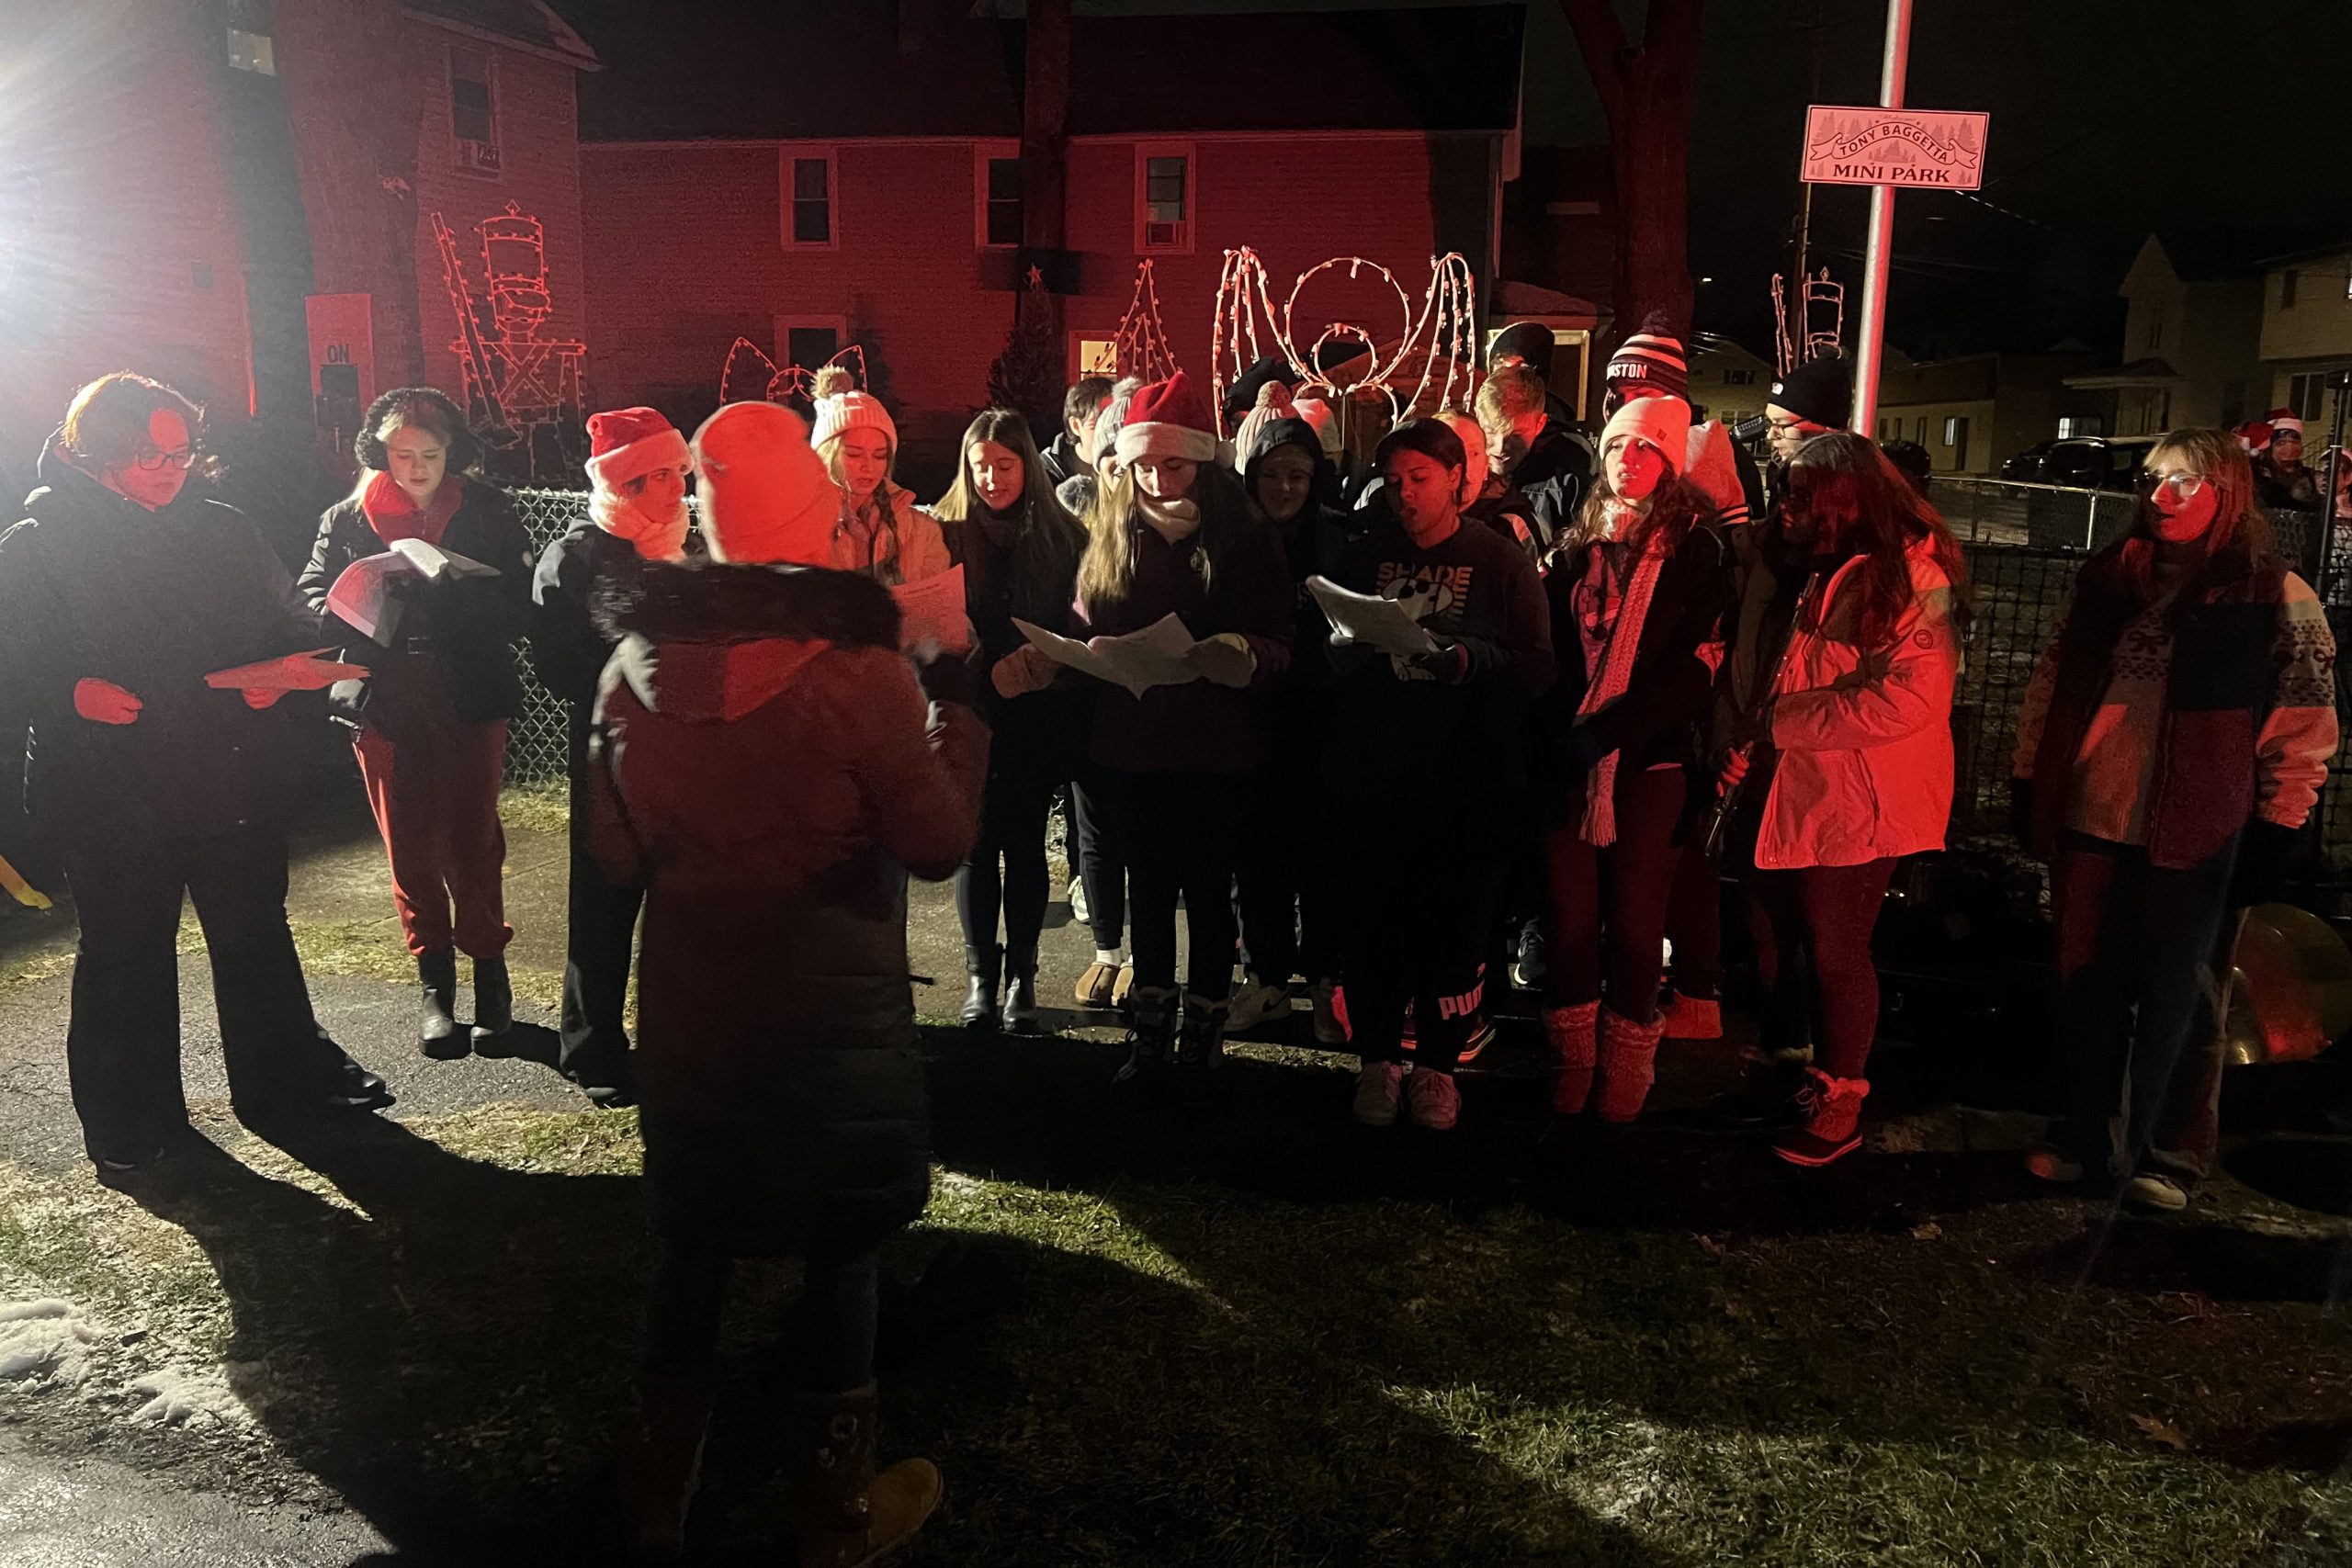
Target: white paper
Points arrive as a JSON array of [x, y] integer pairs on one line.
[[1156, 656], [361, 597], [432, 563], [312, 672], [1366, 618], [930, 613]]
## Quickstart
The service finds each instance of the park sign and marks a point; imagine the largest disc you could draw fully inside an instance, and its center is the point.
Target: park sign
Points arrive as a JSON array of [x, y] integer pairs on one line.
[[1934, 149]]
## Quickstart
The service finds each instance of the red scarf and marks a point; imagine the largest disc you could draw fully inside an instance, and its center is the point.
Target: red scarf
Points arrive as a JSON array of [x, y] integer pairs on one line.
[[394, 517]]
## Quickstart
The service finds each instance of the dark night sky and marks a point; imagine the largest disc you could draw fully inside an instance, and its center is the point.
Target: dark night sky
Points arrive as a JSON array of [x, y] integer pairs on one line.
[[2109, 118]]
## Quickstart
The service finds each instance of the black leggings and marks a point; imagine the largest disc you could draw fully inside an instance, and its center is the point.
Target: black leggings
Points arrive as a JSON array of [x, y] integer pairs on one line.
[[832, 1324], [1180, 832], [1013, 808], [1102, 862], [1422, 912]]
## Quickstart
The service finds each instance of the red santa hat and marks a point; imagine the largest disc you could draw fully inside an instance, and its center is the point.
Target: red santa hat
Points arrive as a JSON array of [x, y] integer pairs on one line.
[[2284, 422], [2255, 436], [1169, 419], [625, 442]]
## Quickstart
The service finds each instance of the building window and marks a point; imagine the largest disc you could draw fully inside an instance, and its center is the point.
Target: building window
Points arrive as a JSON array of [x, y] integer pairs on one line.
[[2073, 426], [2287, 280], [473, 108], [1093, 354], [1739, 378], [998, 179], [1164, 198], [808, 185], [808, 341], [1919, 429], [249, 37], [1956, 438], [2304, 394]]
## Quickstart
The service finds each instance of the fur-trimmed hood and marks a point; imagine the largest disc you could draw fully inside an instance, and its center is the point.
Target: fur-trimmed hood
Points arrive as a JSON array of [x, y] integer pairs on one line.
[[709, 643]]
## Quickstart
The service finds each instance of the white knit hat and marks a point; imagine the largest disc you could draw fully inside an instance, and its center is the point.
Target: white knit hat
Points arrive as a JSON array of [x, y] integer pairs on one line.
[[847, 409], [1663, 423]]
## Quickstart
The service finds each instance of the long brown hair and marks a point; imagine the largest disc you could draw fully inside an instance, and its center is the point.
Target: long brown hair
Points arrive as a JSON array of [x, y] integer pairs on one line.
[[1860, 503], [1107, 573], [1675, 508], [2241, 539], [1040, 516]]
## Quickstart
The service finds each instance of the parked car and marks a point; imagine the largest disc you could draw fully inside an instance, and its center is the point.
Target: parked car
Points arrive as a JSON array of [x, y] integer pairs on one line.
[[2083, 462]]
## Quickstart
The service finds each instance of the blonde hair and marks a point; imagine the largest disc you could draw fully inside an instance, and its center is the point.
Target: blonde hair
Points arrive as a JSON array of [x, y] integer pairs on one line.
[[1510, 394]]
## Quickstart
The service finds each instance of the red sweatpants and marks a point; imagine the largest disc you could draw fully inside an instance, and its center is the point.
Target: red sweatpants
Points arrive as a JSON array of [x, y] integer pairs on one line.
[[434, 793]]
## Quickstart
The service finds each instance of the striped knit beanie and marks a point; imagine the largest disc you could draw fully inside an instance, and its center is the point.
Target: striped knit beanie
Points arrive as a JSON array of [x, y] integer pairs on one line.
[[1651, 357]]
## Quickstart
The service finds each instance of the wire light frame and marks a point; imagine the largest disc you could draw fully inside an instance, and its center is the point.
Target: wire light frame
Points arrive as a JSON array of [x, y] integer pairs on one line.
[[750, 375], [1139, 347], [1446, 331]]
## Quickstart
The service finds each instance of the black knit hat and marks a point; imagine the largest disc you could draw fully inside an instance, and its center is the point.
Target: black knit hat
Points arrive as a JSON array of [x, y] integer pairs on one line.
[[1820, 391], [1651, 357], [1529, 341]]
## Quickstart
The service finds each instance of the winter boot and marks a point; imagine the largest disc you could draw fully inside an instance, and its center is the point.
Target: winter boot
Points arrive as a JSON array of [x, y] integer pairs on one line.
[[1769, 1098], [1687, 1017], [1021, 992], [1151, 1036], [660, 1460], [1832, 1126], [1628, 1067], [493, 1005], [1199, 1053], [980, 1013], [1575, 1036], [438, 1034], [1330, 1029], [850, 1515]]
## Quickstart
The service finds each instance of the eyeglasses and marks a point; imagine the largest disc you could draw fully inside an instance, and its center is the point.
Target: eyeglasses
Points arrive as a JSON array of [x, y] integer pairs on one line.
[[1782, 426], [183, 459], [2184, 486]]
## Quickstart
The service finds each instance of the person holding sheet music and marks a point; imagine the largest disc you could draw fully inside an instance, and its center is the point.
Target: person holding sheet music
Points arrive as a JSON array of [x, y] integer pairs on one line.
[[1174, 533], [432, 715], [1019, 552], [1424, 771], [121, 590]]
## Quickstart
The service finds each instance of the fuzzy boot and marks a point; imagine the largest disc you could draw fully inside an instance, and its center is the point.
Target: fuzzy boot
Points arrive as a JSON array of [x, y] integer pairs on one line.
[[1200, 1052], [1693, 1018], [980, 1014], [1573, 1032], [1628, 1067], [493, 1005], [438, 1034], [659, 1462], [850, 1515], [1151, 1036], [1832, 1128]]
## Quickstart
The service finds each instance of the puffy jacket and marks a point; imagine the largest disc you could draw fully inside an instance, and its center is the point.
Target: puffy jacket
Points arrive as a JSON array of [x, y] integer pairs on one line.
[[95, 586], [472, 625], [1863, 739], [908, 548], [763, 768]]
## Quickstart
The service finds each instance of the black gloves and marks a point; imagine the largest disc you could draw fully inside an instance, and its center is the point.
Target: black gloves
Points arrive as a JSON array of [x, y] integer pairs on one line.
[[1449, 662], [2263, 853], [949, 678]]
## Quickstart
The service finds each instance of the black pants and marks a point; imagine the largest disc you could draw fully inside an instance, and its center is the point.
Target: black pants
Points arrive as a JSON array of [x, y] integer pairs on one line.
[[1694, 923], [1608, 906], [122, 1046], [1102, 861], [1013, 808], [1283, 889], [598, 949], [1420, 895], [832, 1326], [2137, 975], [1182, 834], [1812, 929]]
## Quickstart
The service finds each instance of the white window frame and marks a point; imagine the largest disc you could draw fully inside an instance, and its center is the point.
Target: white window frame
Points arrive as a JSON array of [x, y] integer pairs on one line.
[[788, 156], [983, 155], [489, 55], [783, 329], [1145, 153]]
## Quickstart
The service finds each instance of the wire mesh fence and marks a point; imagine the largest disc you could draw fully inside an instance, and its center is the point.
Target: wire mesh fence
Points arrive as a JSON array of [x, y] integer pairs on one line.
[[537, 743]]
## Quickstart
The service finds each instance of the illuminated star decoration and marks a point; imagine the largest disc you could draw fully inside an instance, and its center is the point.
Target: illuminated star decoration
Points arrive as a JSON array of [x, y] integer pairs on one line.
[[1036, 276], [1446, 330]]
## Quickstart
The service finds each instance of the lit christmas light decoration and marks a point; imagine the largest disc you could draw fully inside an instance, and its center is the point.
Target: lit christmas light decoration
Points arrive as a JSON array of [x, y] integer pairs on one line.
[[750, 375], [1139, 347], [522, 391], [1446, 329], [1790, 350]]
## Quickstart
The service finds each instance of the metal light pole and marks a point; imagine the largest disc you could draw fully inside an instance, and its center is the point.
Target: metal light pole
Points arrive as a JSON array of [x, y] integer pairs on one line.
[[1869, 342]]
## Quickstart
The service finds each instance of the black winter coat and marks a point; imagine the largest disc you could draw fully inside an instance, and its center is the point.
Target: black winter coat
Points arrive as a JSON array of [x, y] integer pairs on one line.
[[568, 649], [1667, 708], [762, 769], [95, 586], [1039, 735], [471, 625]]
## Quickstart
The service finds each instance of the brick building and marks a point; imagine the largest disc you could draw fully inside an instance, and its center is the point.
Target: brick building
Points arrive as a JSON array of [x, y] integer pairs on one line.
[[855, 178]]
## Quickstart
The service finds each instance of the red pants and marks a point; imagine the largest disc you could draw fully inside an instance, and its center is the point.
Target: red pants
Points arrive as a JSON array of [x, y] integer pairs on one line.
[[434, 793]]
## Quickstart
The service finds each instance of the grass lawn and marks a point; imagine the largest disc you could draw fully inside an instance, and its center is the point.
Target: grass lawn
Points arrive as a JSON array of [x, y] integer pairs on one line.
[[1259, 1338]]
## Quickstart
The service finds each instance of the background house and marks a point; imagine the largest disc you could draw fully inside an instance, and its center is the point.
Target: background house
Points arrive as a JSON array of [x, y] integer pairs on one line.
[[1974, 411], [2307, 331], [2191, 352], [872, 195], [1727, 380]]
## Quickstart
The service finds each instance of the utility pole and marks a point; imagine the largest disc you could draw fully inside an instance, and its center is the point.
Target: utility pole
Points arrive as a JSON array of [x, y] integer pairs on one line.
[[1869, 342], [1805, 196]]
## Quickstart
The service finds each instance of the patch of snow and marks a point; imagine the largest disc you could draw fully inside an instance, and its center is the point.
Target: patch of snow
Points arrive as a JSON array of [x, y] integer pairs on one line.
[[176, 1397], [45, 1340]]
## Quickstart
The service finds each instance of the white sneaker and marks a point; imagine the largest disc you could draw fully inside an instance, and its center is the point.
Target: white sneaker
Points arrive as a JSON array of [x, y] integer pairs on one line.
[[2155, 1194], [1077, 909], [1437, 1102], [1379, 1088], [1328, 1030], [1254, 1004]]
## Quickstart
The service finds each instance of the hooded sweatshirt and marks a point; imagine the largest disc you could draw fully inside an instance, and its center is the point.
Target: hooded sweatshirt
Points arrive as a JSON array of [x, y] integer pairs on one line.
[[1313, 541]]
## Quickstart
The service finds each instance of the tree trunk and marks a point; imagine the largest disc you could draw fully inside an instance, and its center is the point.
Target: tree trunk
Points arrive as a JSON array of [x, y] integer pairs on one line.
[[1646, 90]]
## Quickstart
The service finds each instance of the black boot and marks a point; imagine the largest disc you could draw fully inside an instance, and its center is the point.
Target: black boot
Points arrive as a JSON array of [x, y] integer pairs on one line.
[[438, 1034], [1200, 1055], [1766, 1099], [1020, 991], [1152, 1037], [980, 1013], [493, 1005]]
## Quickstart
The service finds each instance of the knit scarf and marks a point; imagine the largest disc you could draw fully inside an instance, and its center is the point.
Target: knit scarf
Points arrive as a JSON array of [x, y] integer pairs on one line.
[[1599, 828], [869, 528], [395, 517], [654, 539]]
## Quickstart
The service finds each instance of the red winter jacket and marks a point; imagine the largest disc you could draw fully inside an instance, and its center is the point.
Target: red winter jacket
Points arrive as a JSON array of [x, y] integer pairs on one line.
[[762, 766], [1865, 768]]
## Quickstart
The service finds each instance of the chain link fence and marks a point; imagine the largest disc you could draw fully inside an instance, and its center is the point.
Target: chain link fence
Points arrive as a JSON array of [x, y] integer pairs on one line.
[[537, 744]]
